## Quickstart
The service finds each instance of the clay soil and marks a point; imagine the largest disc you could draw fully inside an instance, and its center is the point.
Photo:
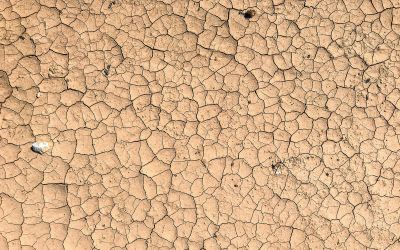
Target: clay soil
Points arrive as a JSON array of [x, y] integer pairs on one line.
[[199, 124]]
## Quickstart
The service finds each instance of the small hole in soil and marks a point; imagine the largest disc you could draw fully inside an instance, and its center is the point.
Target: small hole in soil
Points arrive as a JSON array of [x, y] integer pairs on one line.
[[327, 174], [308, 56], [367, 80], [21, 37], [249, 14], [235, 185]]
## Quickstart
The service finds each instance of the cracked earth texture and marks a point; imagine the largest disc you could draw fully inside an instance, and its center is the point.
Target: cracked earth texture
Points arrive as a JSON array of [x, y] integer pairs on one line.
[[200, 124]]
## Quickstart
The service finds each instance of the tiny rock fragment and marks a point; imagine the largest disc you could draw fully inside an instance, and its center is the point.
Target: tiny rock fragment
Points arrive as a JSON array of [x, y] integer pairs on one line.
[[106, 71], [40, 147], [277, 168]]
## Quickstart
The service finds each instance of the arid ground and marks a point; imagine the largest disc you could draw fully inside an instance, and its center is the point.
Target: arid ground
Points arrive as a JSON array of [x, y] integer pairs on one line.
[[199, 124]]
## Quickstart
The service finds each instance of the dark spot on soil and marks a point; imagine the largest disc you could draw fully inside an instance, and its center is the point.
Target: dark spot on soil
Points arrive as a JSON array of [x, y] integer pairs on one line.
[[231, 164], [249, 14], [236, 185], [367, 80], [21, 37], [308, 56], [327, 174], [249, 102]]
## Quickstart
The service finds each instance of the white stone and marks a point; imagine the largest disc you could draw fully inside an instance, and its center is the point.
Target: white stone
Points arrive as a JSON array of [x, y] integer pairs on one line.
[[40, 147]]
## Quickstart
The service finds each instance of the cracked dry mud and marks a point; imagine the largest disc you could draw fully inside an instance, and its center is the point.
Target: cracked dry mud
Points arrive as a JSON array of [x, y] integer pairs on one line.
[[200, 124]]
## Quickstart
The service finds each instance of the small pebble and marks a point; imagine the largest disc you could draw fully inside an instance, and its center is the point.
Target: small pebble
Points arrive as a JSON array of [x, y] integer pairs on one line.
[[277, 168], [40, 147]]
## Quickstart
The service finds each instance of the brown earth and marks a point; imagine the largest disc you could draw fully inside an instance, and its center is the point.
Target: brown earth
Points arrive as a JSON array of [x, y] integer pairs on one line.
[[208, 124]]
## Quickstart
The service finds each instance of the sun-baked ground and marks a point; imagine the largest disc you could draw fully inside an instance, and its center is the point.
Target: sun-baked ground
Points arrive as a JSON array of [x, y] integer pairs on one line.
[[198, 124]]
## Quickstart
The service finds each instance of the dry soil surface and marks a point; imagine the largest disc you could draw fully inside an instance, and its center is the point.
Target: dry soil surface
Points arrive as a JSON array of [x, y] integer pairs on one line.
[[194, 124]]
